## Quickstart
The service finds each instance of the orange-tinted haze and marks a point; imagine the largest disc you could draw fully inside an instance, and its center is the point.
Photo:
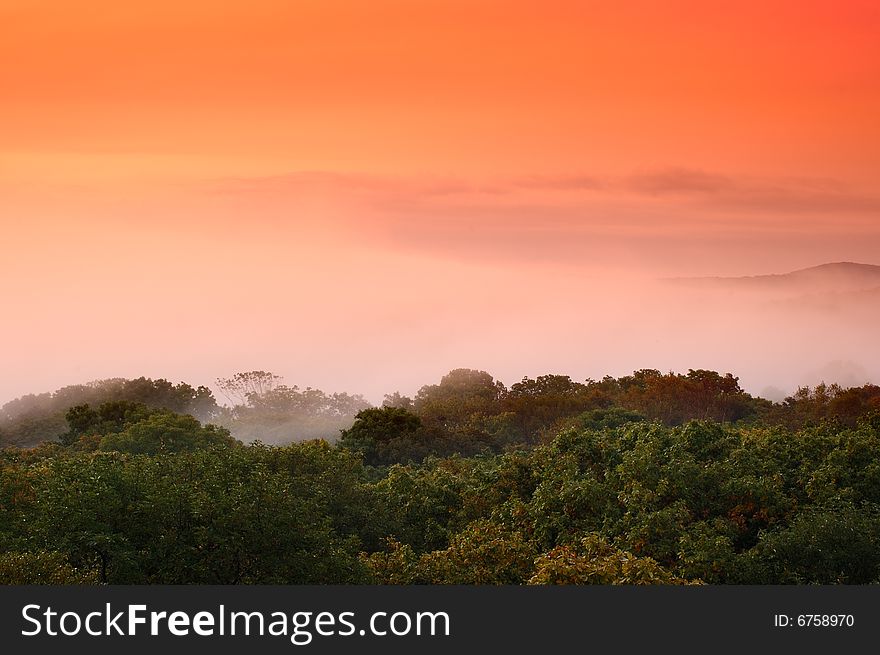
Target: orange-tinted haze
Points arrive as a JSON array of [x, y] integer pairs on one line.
[[362, 195]]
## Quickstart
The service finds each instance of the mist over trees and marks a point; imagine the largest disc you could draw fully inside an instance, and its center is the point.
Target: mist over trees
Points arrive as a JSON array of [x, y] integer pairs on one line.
[[466, 412], [264, 409], [35, 418], [652, 478]]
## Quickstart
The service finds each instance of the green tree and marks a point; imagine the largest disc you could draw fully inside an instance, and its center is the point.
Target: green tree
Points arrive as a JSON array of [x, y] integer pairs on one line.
[[379, 434], [42, 568], [165, 432]]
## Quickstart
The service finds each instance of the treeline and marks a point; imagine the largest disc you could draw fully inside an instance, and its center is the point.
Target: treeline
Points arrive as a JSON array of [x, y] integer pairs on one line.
[[466, 412], [260, 408], [35, 418], [469, 412]]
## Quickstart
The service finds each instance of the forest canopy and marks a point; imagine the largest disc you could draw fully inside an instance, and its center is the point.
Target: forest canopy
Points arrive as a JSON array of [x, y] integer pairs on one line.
[[652, 478]]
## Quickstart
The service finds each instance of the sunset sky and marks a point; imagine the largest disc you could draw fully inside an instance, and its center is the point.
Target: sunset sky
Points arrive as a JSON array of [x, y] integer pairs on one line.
[[363, 195]]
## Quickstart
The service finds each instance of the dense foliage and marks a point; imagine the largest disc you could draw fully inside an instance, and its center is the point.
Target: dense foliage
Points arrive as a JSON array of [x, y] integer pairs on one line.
[[648, 479]]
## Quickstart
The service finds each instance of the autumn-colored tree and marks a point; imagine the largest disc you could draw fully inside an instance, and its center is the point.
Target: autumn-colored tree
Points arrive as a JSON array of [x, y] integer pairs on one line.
[[595, 561]]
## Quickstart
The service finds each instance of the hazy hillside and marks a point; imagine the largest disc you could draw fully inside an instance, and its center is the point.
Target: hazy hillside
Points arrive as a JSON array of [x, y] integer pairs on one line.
[[838, 276], [804, 327], [844, 292]]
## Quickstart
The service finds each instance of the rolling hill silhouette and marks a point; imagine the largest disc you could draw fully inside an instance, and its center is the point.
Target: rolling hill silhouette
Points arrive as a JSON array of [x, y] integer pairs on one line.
[[837, 277]]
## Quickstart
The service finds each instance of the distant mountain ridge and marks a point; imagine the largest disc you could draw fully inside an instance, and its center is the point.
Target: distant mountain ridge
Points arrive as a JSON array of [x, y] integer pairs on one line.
[[832, 277]]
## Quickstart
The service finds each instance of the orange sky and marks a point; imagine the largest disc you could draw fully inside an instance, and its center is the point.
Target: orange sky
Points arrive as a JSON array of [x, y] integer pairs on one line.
[[220, 182]]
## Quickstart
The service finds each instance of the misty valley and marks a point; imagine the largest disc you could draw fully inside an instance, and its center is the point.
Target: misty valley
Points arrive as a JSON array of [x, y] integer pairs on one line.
[[486, 325], [648, 478]]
